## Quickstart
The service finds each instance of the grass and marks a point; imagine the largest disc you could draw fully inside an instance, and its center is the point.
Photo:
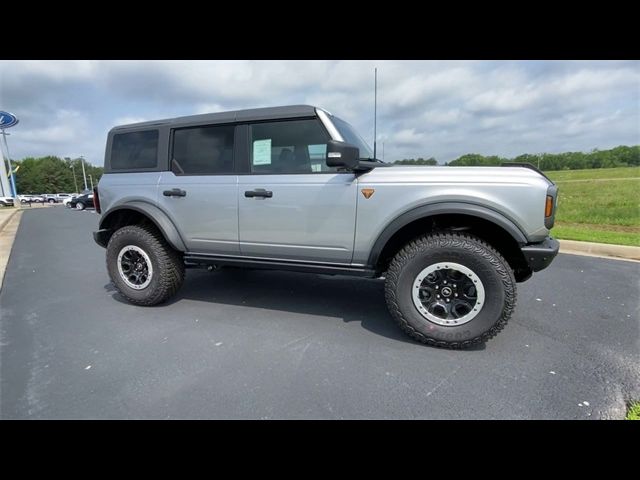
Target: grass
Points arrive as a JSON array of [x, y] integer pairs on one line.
[[634, 412], [622, 172], [599, 205]]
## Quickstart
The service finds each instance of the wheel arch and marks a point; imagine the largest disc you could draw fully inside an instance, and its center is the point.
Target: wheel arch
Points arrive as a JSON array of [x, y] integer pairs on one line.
[[135, 213], [489, 225]]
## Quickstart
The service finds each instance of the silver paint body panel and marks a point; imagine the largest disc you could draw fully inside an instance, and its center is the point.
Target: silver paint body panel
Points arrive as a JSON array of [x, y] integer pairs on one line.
[[319, 217]]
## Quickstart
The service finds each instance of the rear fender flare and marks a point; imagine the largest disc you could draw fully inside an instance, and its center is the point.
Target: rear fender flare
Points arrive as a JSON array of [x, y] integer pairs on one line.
[[160, 219]]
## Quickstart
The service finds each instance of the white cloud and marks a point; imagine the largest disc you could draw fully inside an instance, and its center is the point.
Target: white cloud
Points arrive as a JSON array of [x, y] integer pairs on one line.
[[129, 119], [435, 108], [408, 137]]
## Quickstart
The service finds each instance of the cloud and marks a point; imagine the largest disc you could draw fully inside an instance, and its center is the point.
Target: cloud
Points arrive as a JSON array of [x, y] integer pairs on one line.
[[425, 108], [129, 119]]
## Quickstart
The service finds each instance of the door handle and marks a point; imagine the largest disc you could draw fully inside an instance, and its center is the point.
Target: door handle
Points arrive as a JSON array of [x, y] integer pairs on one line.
[[258, 192], [174, 192]]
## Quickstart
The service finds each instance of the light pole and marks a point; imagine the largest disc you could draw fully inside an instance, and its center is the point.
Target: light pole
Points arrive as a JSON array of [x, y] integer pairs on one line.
[[83, 172], [75, 182], [91, 179], [73, 171], [12, 177]]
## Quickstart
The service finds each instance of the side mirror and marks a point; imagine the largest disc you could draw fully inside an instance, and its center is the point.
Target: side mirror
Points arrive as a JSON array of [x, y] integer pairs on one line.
[[341, 154]]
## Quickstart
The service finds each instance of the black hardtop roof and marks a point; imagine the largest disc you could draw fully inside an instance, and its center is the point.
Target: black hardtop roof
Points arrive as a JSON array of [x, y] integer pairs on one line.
[[253, 114]]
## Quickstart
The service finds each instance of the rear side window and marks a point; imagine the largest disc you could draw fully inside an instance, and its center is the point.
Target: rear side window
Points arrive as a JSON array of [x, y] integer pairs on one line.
[[203, 150], [134, 150]]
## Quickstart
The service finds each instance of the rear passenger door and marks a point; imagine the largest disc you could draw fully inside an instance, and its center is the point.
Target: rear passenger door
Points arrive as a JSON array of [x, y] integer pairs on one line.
[[199, 193], [292, 206]]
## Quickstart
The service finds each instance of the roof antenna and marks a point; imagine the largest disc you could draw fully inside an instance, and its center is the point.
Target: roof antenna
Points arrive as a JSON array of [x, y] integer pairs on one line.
[[375, 108]]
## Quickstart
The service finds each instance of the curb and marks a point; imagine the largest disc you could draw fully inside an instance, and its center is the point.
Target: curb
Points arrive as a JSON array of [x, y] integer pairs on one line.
[[4, 222], [624, 252], [6, 241], [621, 252]]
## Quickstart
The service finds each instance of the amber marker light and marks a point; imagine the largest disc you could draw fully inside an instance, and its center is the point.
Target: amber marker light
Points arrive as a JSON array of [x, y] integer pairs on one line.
[[548, 207]]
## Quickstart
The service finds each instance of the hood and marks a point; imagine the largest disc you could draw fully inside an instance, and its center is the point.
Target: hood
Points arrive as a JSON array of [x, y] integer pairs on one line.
[[473, 175]]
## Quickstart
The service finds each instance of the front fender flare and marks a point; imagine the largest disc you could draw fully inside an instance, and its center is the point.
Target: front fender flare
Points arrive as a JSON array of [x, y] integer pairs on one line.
[[157, 216], [432, 209]]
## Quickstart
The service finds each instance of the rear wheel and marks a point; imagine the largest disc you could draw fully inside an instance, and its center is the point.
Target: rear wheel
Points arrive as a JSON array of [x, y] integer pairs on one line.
[[51, 200], [450, 290], [142, 266]]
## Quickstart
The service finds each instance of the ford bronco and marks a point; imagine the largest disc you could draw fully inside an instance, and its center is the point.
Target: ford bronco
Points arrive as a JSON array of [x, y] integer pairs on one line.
[[296, 188]]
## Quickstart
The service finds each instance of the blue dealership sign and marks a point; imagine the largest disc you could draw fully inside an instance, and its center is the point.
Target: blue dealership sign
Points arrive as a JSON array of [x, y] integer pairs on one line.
[[7, 120]]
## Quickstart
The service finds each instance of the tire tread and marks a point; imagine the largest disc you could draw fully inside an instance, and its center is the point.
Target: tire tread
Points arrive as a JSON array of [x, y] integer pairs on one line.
[[465, 241], [171, 274]]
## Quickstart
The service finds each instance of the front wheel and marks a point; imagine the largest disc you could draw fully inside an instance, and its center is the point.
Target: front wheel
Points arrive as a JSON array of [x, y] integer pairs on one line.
[[142, 266], [51, 200], [79, 206], [450, 290]]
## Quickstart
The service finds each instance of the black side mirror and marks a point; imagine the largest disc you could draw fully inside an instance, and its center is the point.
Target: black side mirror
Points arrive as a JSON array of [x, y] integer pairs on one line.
[[341, 154]]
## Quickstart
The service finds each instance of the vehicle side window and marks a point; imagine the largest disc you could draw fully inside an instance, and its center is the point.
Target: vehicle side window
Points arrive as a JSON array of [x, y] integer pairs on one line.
[[292, 146], [203, 150], [133, 150]]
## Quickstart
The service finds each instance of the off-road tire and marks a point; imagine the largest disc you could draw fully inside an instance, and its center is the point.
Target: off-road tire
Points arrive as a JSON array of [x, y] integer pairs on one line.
[[168, 264], [470, 251]]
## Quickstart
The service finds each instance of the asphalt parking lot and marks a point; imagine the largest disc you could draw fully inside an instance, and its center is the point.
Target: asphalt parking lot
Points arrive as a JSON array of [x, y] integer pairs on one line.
[[268, 345]]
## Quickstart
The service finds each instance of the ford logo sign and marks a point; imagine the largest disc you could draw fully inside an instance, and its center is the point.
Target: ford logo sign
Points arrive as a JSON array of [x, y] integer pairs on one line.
[[7, 120]]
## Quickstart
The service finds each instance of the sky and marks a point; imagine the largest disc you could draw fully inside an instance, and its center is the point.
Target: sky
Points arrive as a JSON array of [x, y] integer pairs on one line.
[[441, 109]]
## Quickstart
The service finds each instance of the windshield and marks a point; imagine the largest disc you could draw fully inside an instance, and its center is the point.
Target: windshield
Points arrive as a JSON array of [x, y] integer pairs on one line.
[[351, 136]]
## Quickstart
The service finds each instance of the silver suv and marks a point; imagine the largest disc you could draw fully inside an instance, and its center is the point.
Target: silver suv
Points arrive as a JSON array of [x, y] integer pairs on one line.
[[296, 188]]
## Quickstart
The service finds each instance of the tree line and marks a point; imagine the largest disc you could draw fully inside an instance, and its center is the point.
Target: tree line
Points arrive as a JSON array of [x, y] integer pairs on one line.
[[417, 161], [53, 175], [621, 156]]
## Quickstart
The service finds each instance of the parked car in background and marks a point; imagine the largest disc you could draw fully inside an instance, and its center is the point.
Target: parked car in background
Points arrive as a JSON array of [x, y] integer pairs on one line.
[[25, 198], [37, 198], [61, 197], [6, 201], [82, 202], [67, 201]]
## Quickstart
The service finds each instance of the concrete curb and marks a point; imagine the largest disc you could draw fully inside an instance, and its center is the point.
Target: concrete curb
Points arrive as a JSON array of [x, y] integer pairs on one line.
[[621, 252], [8, 218], [8, 230]]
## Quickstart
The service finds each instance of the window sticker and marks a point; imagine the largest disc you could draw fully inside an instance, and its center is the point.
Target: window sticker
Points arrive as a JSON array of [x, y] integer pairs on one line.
[[262, 152]]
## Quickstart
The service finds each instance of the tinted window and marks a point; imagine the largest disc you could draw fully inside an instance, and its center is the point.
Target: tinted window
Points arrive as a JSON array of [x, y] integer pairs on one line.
[[203, 150], [294, 146], [134, 150]]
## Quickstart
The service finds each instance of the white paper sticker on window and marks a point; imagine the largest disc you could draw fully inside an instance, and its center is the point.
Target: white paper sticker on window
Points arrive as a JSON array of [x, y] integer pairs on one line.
[[262, 152]]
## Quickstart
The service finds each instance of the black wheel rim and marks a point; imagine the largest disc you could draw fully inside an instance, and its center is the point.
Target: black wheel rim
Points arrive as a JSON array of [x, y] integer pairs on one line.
[[448, 293], [134, 267]]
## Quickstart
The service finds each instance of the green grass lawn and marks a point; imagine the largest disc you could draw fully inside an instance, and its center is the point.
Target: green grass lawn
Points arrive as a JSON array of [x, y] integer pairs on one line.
[[634, 411], [598, 205]]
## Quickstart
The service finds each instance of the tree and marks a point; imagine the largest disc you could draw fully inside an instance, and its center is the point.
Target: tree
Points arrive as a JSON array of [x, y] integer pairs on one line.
[[418, 161], [621, 156], [52, 175]]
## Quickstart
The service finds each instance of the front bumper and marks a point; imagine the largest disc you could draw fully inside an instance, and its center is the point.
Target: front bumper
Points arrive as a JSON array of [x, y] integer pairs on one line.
[[540, 255]]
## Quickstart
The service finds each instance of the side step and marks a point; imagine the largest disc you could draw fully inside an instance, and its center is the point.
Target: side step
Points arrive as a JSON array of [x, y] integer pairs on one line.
[[202, 260]]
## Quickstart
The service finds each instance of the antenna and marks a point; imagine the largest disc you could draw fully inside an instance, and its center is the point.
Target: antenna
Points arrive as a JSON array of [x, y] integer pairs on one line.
[[375, 108]]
